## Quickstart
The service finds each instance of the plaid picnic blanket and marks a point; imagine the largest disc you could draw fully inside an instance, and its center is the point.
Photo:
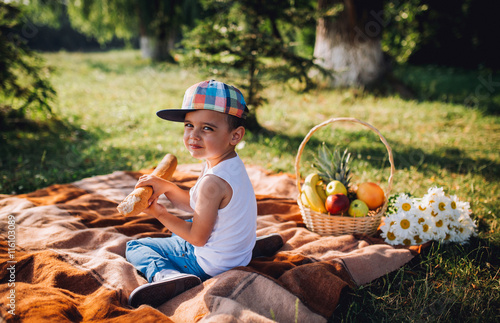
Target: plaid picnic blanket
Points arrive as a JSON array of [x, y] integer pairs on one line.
[[63, 258]]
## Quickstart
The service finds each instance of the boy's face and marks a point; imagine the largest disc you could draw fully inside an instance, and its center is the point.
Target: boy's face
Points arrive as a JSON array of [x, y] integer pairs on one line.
[[207, 135]]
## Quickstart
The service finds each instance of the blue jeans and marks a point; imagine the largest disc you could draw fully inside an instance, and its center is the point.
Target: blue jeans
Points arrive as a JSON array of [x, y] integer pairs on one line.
[[151, 255]]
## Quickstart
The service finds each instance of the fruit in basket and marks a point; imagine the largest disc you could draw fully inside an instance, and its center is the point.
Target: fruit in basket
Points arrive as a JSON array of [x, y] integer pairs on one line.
[[335, 187], [333, 165], [321, 189], [311, 193], [371, 194], [358, 208], [304, 200], [337, 203]]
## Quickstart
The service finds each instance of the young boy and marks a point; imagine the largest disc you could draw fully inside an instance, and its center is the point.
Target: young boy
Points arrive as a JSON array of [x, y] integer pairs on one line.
[[222, 232]]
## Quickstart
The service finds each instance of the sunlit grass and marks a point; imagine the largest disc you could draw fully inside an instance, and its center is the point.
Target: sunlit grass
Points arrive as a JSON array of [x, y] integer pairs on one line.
[[107, 103]]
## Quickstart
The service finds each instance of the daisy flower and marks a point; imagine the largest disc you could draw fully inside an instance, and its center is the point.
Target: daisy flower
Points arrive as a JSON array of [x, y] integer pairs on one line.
[[463, 207], [458, 233], [391, 238], [439, 227], [450, 235], [451, 218], [425, 225], [458, 206], [454, 203], [431, 194], [422, 205], [415, 240], [388, 223], [405, 225], [387, 231], [469, 226], [432, 212], [405, 203], [441, 204], [435, 191]]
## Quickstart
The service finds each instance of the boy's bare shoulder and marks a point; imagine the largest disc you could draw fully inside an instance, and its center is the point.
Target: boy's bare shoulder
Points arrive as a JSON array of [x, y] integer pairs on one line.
[[213, 189], [214, 186]]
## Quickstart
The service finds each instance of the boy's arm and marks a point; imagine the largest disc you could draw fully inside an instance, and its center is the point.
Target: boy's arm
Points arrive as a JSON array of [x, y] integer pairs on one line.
[[178, 196], [213, 193]]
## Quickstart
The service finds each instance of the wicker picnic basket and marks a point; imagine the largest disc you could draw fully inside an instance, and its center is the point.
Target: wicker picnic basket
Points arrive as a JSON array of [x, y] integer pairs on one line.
[[325, 224]]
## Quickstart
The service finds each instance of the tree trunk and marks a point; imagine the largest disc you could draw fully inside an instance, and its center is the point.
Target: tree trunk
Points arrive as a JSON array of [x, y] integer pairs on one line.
[[349, 44], [252, 123], [158, 49], [156, 43]]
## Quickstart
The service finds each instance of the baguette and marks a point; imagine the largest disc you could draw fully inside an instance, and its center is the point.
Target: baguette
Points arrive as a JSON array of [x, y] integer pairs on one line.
[[137, 201]]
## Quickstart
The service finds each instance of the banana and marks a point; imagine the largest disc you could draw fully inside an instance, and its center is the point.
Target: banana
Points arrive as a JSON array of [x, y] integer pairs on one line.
[[321, 190], [304, 200], [311, 193]]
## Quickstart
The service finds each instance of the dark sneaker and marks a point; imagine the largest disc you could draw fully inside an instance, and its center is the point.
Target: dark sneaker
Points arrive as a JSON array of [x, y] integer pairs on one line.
[[157, 293], [267, 246]]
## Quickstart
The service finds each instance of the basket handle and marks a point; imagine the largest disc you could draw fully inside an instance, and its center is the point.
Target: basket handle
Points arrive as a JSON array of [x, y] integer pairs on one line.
[[317, 127]]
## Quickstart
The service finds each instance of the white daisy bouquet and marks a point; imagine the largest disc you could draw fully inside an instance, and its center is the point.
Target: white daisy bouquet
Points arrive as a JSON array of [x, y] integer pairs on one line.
[[435, 216]]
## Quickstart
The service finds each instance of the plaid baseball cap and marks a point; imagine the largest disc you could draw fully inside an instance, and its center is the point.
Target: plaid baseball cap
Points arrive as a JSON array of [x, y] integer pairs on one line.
[[208, 95]]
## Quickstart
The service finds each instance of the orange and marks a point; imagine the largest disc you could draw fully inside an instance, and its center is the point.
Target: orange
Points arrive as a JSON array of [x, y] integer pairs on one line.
[[371, 194]]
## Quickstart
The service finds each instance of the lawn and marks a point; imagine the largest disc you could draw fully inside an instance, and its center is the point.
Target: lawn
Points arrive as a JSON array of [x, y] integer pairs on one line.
[[448, 136]]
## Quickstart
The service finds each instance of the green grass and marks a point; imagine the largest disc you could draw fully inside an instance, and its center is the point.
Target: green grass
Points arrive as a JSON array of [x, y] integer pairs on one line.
[[476, 89], [445, 283], [106, 108]]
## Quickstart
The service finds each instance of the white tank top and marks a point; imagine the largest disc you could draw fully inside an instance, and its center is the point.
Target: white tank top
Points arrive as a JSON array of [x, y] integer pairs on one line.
[[233, 237]]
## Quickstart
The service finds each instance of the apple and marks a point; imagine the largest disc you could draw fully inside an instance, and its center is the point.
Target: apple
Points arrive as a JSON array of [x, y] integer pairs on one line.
[[337, 203], [371, 194], [358, 208], [335, 187]]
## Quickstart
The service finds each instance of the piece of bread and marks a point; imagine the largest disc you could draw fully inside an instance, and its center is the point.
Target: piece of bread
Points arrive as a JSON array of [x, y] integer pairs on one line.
[[137, 201]]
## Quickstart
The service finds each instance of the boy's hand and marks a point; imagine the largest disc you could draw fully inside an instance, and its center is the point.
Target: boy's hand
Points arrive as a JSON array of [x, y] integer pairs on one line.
[[159, 186], [155, 209]]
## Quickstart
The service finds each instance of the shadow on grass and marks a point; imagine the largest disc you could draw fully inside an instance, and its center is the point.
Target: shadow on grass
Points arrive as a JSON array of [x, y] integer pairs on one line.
[[452, 160], [478, 90], [121, 67], [56, 152], [53, 152]]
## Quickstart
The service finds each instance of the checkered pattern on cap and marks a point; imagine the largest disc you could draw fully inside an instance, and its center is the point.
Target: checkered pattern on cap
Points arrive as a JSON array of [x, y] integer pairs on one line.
[[209, 95], [216, 96]]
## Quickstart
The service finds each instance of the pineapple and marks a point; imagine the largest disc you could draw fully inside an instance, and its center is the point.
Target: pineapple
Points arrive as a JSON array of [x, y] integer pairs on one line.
[[333, 166]]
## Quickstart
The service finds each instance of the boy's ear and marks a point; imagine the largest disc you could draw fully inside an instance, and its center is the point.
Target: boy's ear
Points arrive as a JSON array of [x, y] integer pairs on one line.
[[236, 135]]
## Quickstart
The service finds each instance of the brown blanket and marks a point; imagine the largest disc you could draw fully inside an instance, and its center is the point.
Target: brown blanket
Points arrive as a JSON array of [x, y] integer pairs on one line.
[[65, 259]]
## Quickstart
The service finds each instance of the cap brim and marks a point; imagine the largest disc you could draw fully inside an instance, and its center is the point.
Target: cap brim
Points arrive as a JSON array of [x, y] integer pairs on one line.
[[177, 115]]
